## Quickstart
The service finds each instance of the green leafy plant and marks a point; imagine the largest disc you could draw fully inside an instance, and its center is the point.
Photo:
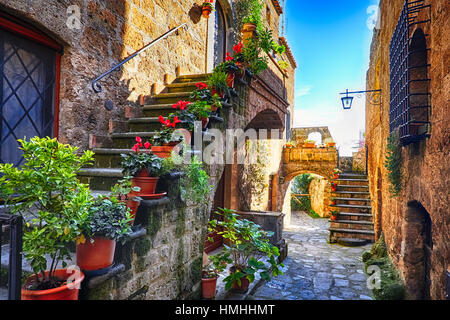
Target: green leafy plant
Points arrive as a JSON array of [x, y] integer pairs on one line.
[[283, 65], [278, 49], [201, 109], [123, 188], [218, 81], [218, 264], [300, 185], [195, 183], [253, 13], [107, 218], [248, 245], [334, 213], [252, 53], [394, 163], [133, 163], [46, 189], [164, 137]]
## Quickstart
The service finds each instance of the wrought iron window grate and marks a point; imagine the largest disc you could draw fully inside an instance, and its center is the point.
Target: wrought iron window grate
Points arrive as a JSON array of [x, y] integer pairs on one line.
[[409, 81]]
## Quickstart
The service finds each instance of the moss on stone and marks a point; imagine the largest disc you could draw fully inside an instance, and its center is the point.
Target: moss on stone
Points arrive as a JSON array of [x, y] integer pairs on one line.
[[391, 284], [154, 223], [180, 227], [142, 246], [3, 277], [196, 269]]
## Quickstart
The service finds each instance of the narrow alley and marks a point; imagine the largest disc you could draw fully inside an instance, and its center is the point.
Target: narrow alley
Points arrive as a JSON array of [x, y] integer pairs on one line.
[[315, 269]]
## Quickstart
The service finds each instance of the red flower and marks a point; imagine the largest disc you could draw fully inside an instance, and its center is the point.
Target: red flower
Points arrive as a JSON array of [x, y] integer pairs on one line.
[[238, 48], [139, 140], [175, 121], [228, 57], [201, 85], [136, 148], [181, 105], [147, 145]]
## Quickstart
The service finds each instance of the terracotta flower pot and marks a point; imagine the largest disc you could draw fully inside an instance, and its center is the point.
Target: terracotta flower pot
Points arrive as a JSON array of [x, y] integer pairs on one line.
[[214, 108], [336, 176], [309, 145], [147, 184], [133, 206], [206, 11], [334, 218], [249, 27], [209, 287], [331, 144], [96, 255], [230, 79], [162, 151], [65, 292]]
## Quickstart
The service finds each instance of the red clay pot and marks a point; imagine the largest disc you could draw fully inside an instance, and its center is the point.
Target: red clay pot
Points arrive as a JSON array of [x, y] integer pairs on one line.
[[334, 218], [336, 176], [206, 11], [132, 205], [214, 91], [209, 287], [230, 79], [97, 255], [147, 184], [162, 151], [65, 292]]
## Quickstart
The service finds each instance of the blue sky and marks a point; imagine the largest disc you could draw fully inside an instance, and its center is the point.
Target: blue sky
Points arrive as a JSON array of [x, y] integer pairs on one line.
[[331, 42]]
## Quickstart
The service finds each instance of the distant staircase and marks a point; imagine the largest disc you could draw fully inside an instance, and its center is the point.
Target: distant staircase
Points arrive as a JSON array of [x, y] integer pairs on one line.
[[107, 168], [355, 222]]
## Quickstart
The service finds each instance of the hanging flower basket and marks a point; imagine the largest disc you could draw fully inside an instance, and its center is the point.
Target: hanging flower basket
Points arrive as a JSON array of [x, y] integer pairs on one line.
[[207, 8]]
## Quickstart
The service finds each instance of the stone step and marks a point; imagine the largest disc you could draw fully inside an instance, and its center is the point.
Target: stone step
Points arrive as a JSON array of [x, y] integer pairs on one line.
[[167, 98], [336, 233], [356, 216], [352, 175], [109, 158], [155, 110], [102, 179], [360, 193], [353, 182], [128, 139], [351, 224], [144, 124], [353, 199], [352, 188], [192, 78], [182, 86], [351, 206], [349, 242]]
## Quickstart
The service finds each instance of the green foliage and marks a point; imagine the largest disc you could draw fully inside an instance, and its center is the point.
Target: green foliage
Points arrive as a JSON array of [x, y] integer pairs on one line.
[[283, 65], [254, 13], [46, 188], [195, 184], [164, 137], [133, 163], [201, 109], [218, 81], [218, 264], [248, 245], [279, 49], [394, 163], [107, 218], [300, 185], [314, 214], [123, 188], [391, 284], [252, 53]]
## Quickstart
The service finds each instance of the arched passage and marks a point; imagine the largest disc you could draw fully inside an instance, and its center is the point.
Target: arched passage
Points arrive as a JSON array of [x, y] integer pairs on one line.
[[417, 245]]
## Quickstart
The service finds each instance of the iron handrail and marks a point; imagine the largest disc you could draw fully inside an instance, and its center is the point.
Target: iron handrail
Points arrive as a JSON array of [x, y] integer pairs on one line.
[[98, 88]]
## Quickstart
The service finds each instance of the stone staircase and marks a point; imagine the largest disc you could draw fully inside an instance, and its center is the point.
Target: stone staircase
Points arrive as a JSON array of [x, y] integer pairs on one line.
[[144, 123], [355, 222]]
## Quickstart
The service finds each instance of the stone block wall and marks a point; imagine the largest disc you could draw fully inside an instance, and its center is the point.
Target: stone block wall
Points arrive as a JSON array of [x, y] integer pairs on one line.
[[320, 194], [108, 32], [426, 164]]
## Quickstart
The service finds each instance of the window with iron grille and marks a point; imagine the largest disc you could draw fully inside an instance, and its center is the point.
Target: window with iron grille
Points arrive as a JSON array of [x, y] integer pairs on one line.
[[409, 81]]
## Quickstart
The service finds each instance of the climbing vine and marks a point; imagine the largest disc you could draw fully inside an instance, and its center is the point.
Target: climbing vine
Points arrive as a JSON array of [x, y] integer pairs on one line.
[[393, 163]]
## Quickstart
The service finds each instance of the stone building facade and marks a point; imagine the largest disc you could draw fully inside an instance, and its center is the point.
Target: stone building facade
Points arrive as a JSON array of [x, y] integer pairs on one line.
[[76, 41], [416, 223]]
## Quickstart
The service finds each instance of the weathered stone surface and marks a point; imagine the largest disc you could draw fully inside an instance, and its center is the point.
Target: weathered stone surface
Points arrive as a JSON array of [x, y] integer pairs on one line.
[[426, 164]]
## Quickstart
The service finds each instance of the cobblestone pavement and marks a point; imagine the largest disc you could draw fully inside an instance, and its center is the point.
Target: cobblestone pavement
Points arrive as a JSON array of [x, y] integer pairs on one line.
[[315, 269]]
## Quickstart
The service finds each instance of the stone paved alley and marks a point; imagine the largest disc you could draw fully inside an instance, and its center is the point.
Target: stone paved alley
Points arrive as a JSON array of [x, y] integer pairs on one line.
[[315, 269]]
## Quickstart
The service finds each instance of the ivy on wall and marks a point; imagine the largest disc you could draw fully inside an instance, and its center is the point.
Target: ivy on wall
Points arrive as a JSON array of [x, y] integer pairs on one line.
[[394, 162]]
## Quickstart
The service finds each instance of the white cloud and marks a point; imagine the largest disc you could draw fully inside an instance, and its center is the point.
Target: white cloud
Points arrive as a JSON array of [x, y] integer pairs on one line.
[[303, 91]]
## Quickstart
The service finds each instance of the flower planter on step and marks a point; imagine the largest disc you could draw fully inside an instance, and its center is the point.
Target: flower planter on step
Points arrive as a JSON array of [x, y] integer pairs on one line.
[[162, 151], [96, 255], [132, 205], [209, 287], [147, 185], [66, 292]]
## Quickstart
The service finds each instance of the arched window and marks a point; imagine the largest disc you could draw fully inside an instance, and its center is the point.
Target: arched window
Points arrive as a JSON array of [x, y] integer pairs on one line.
[[316, 136], [220, 36]]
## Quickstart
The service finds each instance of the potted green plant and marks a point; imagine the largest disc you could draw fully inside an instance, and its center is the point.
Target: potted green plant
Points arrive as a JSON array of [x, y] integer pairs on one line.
[[211, 272], [144, 168], [46, 192], [126, 193], [334, 215], [252, 19], [309, 144], [163, 143], [334, 186], [207, 8], [218, 83], [333, 201], [108, 221], [248, 244], [336, 173], [201, 110]]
